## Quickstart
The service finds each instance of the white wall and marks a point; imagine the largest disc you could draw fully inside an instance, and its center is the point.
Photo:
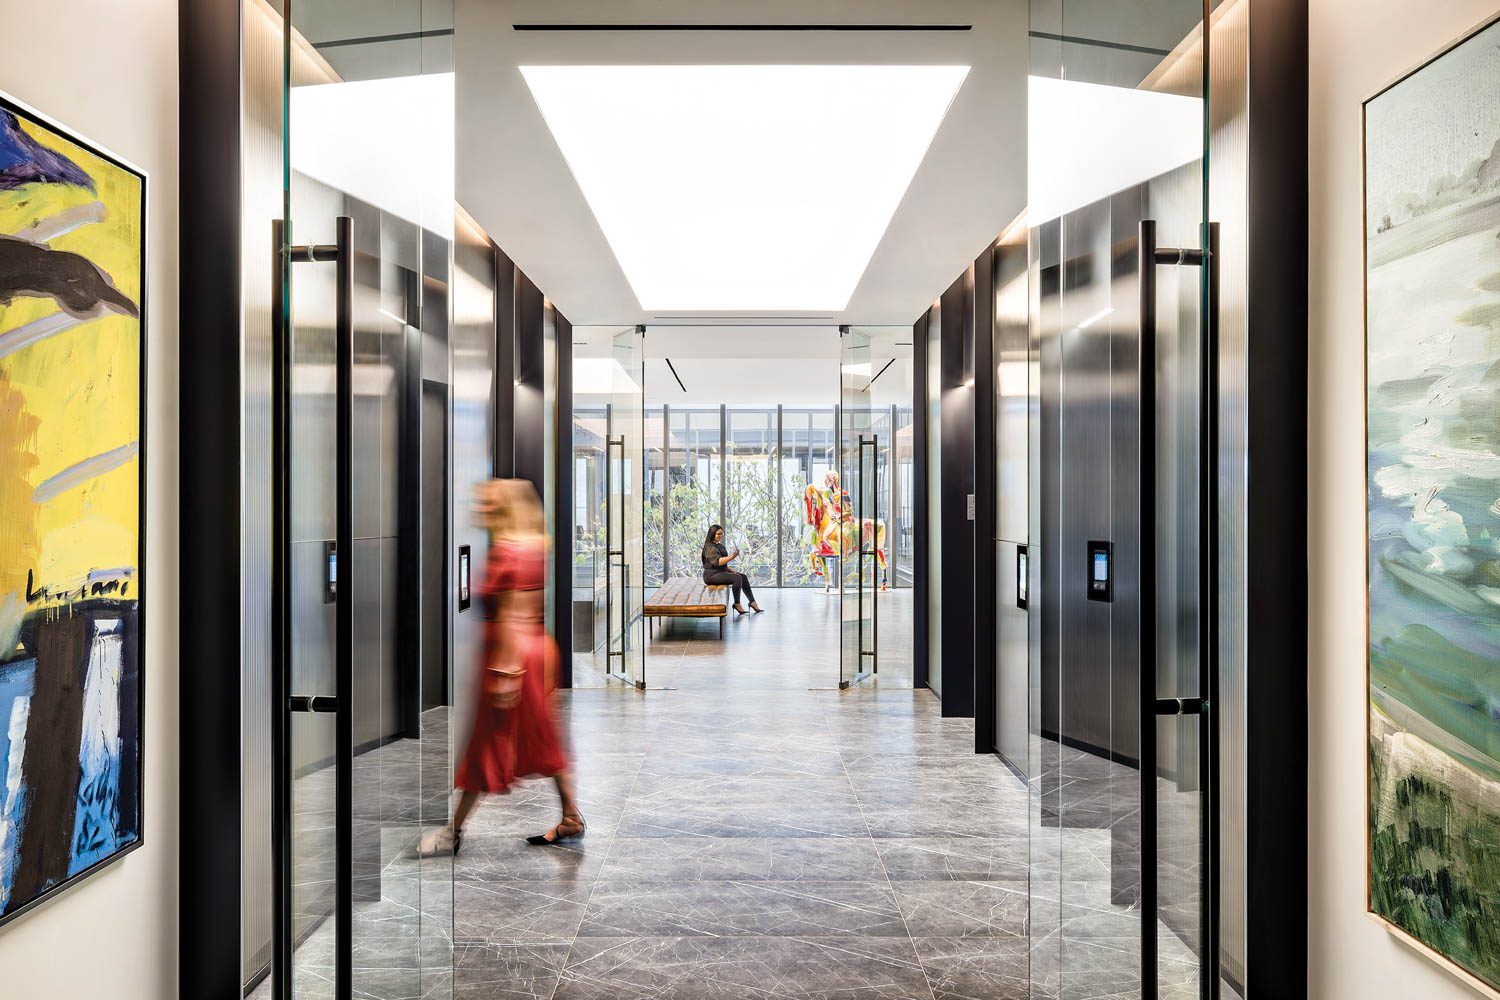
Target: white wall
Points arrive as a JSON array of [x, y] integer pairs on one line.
[[1357, 46], [108, 70]]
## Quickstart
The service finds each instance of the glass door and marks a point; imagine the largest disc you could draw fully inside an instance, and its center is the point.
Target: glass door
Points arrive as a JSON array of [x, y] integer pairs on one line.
[[625, 510], [1122, 620], [854, 502], [362, 264], [872, 504]]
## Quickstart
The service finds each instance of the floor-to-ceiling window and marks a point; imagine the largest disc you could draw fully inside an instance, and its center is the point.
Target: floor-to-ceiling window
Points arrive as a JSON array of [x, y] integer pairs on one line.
[[694, 499], [656, 488], [749, 468], [752, 500], [809, 451]]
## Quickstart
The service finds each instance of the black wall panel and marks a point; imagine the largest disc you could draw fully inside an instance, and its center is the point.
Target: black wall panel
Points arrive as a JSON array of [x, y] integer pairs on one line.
[[957, 432], [209, 700], [982, 433], [920, 512]]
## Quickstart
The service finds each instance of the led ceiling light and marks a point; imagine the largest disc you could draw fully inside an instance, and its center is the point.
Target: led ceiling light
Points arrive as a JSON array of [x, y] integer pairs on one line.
[[743, 188], [1142, 133]]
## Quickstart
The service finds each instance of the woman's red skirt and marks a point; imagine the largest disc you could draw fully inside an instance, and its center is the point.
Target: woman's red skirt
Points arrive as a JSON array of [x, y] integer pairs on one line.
[[518, 742]]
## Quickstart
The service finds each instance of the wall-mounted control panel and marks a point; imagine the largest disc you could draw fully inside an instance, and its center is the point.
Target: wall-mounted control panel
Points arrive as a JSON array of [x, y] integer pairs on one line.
[[330, 572], [1023, 576], [1101, 571], [465, 572]]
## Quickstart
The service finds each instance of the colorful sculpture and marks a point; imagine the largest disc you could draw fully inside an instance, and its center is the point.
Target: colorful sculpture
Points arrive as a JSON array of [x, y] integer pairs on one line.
[[821, 513], [870, 535], [830, 516]]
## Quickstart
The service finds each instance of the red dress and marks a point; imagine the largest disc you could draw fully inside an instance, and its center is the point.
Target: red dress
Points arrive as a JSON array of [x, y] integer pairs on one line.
[[517, 742]]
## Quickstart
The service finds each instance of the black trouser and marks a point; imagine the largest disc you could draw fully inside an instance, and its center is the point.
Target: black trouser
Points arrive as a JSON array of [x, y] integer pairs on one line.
[[738, 581]]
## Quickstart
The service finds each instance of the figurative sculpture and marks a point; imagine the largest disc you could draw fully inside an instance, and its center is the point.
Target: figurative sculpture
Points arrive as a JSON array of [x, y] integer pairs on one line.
[[830, 516]]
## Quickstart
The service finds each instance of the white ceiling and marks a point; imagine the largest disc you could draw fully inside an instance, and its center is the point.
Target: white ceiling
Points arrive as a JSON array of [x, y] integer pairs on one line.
[[742, 366], [755, 366], [512, 178]]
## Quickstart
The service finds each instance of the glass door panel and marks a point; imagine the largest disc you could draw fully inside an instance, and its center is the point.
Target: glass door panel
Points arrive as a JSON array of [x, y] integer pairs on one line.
[[364, 271], [887, 398], [853, 508], [595, 466], [1118, 157], [625, 465]]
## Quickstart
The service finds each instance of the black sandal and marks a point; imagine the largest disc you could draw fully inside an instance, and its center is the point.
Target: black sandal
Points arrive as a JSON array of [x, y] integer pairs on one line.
[[555, 835], [739, 610]]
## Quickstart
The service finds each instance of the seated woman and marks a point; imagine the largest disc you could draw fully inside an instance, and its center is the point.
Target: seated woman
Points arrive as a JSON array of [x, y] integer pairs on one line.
[[716, 560]]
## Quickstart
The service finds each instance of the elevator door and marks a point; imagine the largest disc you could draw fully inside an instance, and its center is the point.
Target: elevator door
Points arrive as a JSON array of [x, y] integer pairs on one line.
[[360, 760], [1121, 753]]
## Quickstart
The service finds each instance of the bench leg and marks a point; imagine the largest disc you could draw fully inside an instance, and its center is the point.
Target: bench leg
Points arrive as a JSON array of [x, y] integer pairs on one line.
[[721, 628]]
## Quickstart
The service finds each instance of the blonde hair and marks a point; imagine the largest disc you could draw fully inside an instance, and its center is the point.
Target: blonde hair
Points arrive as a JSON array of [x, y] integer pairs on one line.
[[513, 509]]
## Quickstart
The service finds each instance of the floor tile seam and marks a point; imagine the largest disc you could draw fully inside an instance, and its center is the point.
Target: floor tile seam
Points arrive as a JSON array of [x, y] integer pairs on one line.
[[594, 881], [890, 884]]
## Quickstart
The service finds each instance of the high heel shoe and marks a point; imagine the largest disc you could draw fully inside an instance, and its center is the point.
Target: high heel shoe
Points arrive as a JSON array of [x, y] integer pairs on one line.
[[757, 608], [555, 835], [739, 610], [440, 843]]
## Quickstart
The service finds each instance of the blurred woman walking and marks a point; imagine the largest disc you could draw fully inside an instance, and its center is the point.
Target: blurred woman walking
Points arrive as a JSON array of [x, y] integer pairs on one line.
[[514, 734]]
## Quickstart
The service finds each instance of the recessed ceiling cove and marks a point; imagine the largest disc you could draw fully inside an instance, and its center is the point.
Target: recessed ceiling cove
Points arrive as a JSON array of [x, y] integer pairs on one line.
[[743, 187]]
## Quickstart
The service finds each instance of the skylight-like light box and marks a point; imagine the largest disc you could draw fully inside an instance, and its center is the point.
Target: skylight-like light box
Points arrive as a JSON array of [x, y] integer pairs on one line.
[[743, 188]]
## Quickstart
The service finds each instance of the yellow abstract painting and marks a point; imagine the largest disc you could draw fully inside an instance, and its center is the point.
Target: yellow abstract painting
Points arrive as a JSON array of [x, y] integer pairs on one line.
[[71, 344]]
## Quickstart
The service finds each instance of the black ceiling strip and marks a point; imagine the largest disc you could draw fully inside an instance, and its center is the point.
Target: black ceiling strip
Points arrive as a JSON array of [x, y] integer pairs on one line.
[[879, 373], [404, 36], [742, 27], [675, 375], [1101, 43]]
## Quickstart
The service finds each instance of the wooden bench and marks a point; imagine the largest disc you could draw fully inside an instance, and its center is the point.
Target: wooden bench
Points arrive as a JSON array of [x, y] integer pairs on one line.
[[685, 597]]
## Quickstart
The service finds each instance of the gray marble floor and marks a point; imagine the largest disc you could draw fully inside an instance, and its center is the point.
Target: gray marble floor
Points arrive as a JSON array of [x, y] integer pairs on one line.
[[756, 832], [753, 832]]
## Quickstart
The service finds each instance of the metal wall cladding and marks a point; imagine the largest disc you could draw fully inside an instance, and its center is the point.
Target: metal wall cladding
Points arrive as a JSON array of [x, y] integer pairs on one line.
[[477, 268], [261, 180], [1013, 418]]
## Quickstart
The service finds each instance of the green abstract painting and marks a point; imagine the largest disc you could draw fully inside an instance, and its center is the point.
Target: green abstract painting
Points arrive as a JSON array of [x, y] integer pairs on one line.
[[1432, 278]]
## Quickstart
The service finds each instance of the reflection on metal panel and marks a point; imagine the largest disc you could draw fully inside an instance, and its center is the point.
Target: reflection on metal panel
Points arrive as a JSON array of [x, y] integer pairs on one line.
[[472, 355], [260, 176], [1012, 521], [1229, 206]]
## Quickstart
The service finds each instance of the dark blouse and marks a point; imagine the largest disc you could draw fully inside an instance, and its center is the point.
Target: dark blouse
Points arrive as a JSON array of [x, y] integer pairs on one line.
[[712, 553]]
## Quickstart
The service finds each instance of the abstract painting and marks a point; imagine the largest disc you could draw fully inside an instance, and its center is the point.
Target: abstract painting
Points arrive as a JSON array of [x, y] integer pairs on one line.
[[72, 250], [1432, 285]]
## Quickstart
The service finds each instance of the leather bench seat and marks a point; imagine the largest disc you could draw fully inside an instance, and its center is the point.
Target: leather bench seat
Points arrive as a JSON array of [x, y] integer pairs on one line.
[[685, 597]]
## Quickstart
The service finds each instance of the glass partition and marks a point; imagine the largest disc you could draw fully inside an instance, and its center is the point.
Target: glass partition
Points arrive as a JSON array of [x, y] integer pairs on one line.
[[875, 444], [609, 505], [364, 271], [590, 564], [625, 447], [1117, 166]]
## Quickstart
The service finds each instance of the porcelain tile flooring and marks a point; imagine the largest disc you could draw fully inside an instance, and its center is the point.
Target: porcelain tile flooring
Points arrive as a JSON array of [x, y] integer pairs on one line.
[[755, 832]]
